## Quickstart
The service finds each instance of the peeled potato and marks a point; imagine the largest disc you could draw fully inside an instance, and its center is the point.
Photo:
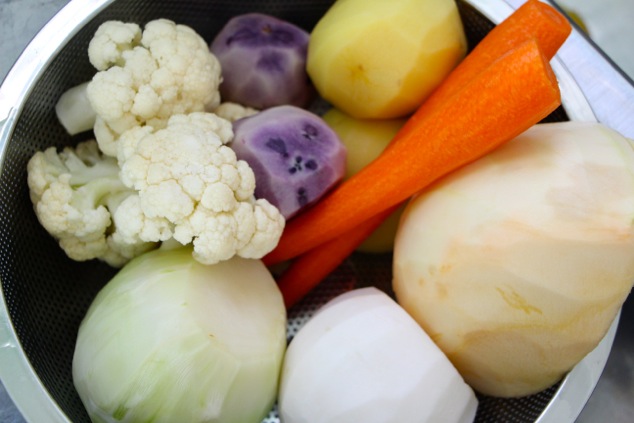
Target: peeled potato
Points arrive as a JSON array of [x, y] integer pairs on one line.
[[517, 264], [365, 140], [380, 59]]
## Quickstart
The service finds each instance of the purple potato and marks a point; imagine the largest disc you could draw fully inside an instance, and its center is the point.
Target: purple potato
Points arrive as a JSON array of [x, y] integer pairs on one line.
[[295, 156], [263, 62]]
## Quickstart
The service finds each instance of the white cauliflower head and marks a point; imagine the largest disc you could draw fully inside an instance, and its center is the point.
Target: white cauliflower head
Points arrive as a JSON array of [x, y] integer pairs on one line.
[[147, 76], [185, 173]]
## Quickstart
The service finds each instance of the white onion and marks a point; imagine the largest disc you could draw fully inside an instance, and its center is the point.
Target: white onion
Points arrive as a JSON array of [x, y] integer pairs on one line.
[[169, 340], [361, 358]]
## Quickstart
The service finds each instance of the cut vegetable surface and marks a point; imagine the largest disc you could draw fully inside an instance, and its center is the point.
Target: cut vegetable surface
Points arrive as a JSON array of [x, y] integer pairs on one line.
[[169, 339], [361, 358], [515, 92], [295, 156], [517, 264]]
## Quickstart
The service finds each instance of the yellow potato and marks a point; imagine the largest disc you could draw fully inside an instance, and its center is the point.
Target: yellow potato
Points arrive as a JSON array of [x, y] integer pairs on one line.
[[365, 140], [381, 59]]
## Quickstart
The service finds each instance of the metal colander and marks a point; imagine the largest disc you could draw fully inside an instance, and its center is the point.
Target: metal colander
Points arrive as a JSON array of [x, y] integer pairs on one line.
[[46, 294]]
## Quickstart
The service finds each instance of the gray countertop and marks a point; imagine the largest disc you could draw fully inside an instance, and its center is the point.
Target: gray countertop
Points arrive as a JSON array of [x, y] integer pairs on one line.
[[610, 25]]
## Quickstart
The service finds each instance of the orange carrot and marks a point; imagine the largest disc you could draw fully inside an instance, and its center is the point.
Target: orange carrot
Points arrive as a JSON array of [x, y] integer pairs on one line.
[[512, 94], [533, 19], [309, 269]]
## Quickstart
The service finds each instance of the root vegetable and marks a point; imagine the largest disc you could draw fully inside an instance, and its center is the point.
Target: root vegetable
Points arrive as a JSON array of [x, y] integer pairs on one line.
[[379, 59], [295, 155], [533, 20], [361, 358], [517, 264], [308, 270], [263, 61]]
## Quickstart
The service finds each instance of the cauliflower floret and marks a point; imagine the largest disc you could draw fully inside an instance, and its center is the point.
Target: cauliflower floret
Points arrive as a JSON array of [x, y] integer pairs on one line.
[[186, 174], [134, 227], [75, 193], [234, 111], [266, 221], [147, 76], [110, 40]]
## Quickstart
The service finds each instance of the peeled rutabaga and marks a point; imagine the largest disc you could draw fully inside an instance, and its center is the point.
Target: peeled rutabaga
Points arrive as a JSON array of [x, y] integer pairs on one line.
[[517, 264], [169, 339], [361, 358]]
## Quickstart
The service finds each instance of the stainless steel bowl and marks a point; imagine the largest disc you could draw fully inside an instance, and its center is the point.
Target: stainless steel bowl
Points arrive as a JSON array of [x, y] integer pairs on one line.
[[45, 295]]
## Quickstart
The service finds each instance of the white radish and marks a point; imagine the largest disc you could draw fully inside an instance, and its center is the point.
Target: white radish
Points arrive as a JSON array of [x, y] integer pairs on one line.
[[362, 358]]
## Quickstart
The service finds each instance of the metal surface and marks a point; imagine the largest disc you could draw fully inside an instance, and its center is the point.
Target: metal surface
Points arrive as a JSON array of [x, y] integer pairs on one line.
[[33, 398], [608, 89]]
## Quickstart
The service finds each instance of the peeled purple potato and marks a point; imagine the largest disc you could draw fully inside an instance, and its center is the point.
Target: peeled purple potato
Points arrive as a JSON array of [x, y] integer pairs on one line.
[[295, 156], [263, 61]]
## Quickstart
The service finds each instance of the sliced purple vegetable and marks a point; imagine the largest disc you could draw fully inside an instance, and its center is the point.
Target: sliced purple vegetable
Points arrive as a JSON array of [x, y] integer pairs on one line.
[[295, 155], [263, 62]]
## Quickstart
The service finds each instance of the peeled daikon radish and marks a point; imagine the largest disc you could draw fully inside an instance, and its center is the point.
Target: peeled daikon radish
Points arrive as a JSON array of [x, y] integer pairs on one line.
[[362, 358]]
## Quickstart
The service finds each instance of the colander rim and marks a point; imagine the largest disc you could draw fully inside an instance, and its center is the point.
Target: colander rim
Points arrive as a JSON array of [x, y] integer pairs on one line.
[[21, 381], [19, 378]]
